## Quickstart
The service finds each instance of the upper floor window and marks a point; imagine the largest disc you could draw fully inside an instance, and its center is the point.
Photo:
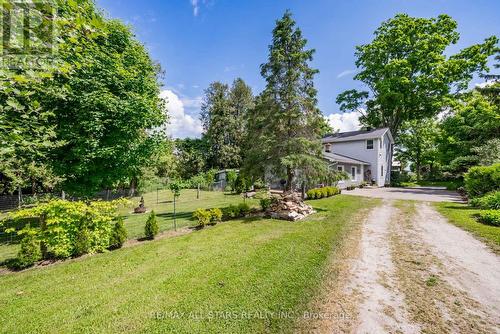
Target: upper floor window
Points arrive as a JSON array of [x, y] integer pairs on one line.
[[369, 144], [380, 140], [327, 147]]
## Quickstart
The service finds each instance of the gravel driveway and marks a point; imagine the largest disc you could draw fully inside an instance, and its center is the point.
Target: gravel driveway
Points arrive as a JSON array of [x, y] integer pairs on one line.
[[427, 194]]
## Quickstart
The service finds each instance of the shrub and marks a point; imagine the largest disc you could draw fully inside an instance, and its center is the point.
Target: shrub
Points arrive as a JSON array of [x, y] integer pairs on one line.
[[244, 209], [481, 180], [215, 215], [489, 201], [202, 216], [118, 235], [318, 193], [490, 217], [82, 242], [29, 252], [151, 228], [265, 203], [230, 212], [68, 229], [311, 194]]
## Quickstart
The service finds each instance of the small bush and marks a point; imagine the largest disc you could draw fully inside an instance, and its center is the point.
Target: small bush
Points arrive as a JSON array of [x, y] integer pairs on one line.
[[324, 192], [490, 201], [244, 209], [29, 253], [118, 235], [311, 194], [481, 180], [319, 193], [265, 203], [202, 216], [215, 215], [151, 228], [82, 242], [230, 212], [490, 217]]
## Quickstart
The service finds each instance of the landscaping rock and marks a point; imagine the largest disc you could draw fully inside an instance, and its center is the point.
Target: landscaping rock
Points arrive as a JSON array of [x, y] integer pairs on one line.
[[290, 207]]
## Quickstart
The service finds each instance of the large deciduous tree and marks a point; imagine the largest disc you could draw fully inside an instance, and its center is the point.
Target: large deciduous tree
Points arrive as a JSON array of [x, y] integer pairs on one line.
[[86, 116], [285, 126], [407, 72]]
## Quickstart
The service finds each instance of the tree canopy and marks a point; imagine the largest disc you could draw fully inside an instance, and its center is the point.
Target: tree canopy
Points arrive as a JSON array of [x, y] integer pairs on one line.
[[87, 117], [223, 114], [407, 72]]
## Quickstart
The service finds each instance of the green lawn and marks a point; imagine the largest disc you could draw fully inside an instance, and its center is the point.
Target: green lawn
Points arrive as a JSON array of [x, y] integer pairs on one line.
[[250, 267], [162, 203], [450, 185], [462, 216]]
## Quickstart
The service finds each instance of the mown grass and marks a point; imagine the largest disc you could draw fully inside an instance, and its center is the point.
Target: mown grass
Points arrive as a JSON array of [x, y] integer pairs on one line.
[[450, 185], [250, 268], [463, 216], [162, 203]]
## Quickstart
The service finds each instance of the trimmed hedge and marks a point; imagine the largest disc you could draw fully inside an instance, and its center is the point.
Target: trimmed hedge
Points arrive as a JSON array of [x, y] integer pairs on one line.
[[490, 217], [481, 180], [323, 192]]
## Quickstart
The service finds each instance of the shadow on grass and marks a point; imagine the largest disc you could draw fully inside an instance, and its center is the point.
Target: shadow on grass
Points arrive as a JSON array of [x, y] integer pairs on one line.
[[178, 215]]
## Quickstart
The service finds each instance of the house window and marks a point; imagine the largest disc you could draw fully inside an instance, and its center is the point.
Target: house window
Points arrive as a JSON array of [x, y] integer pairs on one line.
[[380, 140], [340, 168], [353, 173], [369, 144], [327, 148], [382, 170]]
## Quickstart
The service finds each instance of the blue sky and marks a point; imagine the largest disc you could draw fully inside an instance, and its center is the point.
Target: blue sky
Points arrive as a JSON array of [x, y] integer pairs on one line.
[[200, 41]]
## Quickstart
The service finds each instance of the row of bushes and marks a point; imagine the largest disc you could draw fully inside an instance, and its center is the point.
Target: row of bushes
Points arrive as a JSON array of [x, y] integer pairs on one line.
[[323, 192], [215, 215], [61, 229]]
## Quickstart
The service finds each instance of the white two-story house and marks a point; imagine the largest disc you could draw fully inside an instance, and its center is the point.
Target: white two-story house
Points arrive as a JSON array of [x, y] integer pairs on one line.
[[365, 155]]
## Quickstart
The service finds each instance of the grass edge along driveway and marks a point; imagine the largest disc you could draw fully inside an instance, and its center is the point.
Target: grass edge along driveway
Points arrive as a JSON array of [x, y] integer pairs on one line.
[[234, 277], [462, 215]]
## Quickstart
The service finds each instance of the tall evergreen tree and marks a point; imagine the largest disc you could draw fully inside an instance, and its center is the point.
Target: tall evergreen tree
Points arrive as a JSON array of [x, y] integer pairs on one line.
[[286, 125], [223, 116]]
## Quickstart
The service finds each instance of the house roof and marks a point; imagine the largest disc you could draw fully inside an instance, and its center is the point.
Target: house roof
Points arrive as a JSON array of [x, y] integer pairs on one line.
[[343, 159], [356, 135]]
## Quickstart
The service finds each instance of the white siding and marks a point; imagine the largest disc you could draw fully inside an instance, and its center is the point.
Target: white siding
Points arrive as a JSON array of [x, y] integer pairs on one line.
[[378, 157]]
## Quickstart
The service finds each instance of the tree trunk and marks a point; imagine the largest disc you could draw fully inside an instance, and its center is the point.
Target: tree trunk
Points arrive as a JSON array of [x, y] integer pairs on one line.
[[289, 180], [133, 184]]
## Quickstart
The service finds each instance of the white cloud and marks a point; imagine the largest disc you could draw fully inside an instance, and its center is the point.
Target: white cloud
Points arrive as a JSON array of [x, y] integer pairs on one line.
[[196, 7], [348, 121], [344, 73], [181, 125], [192, 103]]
